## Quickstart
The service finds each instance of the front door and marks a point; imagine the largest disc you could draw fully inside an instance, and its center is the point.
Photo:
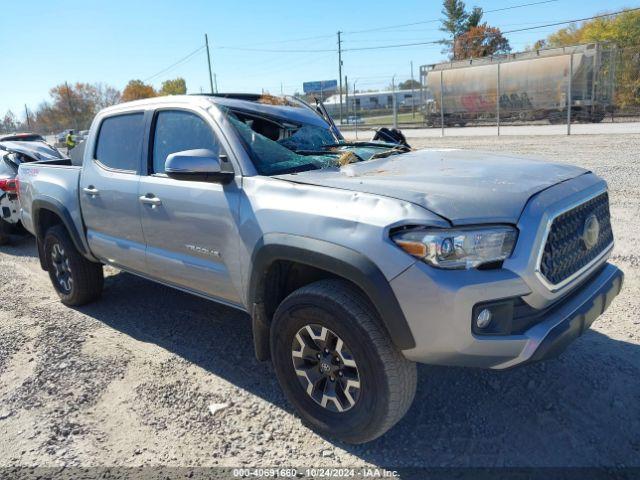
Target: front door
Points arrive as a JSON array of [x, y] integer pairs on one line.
[[109, 192], [189, 226]]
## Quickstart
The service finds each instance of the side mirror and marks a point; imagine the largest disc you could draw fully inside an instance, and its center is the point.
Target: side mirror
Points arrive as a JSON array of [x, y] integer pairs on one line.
[[199, 165]]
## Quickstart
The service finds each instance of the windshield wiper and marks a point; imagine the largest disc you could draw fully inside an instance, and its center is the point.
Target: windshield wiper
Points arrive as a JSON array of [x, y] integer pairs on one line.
[[323, 112]]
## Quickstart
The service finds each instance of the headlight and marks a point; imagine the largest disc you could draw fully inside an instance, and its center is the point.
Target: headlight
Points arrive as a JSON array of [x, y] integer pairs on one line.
[[458, 248]]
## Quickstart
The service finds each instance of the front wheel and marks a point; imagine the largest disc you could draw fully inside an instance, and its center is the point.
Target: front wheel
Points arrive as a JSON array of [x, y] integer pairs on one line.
[[336, 363], [77, 280]]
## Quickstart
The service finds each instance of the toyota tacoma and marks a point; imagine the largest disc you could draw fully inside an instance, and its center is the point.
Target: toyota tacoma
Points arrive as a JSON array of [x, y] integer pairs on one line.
[[355, 260]]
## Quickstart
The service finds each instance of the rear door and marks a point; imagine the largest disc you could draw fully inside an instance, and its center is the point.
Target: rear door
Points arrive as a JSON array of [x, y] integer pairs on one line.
[[189, 226], [109, 192]]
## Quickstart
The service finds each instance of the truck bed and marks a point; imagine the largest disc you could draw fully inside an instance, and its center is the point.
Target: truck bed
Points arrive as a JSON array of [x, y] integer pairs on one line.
[[54, 181]]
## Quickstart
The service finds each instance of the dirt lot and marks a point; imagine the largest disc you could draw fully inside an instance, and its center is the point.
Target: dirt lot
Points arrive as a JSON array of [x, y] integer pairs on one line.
[[129, 380]]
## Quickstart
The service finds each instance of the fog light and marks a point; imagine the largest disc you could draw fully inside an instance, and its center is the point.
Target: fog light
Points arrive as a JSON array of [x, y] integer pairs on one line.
[[484, 318]]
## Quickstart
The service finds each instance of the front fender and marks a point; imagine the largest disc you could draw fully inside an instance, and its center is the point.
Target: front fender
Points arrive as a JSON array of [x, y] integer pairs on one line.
[[338, 260]]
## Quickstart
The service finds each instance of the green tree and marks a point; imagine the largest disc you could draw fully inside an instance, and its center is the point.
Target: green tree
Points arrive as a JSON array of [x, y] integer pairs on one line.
[[177, 86], [136, 90], [408, 84], [455, 17]]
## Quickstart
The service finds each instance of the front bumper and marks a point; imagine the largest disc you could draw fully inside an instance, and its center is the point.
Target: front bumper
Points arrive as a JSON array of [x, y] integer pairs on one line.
[[580, 315], [438, 306]]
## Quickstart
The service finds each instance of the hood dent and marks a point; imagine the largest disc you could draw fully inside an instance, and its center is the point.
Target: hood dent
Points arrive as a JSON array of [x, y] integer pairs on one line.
[[462, 186]]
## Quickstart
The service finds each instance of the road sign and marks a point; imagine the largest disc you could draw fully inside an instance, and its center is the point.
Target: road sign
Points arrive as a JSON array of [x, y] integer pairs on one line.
[[321, 86]]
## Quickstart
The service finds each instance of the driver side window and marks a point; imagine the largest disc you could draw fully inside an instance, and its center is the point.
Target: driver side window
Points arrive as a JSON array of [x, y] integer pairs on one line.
[[176, 131]]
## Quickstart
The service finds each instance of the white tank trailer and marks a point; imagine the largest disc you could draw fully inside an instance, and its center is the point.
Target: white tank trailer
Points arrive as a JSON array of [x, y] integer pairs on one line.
[[531, 85]]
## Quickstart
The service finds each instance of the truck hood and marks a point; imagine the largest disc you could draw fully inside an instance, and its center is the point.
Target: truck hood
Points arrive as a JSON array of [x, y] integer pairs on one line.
[[465, 187]]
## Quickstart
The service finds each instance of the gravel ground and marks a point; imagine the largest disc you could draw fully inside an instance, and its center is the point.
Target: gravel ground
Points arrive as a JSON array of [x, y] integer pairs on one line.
[[130, 380]]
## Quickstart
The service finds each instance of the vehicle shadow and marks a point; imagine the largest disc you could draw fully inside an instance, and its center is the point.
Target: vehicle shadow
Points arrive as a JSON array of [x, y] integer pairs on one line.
[[582, 409], [23, 245]]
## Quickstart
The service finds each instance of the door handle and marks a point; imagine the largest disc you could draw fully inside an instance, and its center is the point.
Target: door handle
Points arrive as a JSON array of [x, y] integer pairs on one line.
[[91, 191], [150, 200]]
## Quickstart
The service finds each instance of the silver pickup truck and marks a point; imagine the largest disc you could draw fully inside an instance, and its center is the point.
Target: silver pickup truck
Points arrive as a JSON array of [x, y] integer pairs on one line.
[[354, 259]]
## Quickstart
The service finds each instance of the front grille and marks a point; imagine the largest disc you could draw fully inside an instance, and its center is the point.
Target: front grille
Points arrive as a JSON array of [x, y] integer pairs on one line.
[[565, 251]]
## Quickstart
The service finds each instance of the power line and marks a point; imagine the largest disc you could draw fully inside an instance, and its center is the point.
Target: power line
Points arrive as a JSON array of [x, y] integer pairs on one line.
[[303, 39], [182, 60], [390, 27], [572, 21], [434, 42], [249, 48], [268, 50]]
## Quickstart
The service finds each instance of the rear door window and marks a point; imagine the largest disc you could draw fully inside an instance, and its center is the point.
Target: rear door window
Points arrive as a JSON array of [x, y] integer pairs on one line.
[[176, 131], [120, 141]]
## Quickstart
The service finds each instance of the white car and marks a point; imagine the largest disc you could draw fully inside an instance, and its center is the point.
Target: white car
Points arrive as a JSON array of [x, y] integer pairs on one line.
[[14, 151]]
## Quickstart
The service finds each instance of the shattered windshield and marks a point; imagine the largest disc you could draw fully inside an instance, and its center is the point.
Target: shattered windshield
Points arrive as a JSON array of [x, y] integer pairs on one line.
[[279, 146], [272, 158]]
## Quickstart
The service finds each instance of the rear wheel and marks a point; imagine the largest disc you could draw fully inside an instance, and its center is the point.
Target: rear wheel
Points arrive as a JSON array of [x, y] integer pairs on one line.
[[336, 363], [77, 280]]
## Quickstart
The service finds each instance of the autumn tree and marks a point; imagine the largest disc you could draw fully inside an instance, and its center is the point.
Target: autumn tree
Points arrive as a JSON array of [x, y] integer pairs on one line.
[[106, 95], [9, 123], [621, 30], [177, 86], [136, 90], [467, 37], [74, 105], [480, 41]]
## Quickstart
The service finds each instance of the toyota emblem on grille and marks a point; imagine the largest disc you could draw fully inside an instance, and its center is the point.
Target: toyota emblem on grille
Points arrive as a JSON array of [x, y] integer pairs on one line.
[[590, 231]]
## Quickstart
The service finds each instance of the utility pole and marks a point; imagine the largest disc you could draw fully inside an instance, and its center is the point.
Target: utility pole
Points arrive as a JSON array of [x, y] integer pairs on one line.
[[26, 112], [413, 100], [206, 42], [340, 71]]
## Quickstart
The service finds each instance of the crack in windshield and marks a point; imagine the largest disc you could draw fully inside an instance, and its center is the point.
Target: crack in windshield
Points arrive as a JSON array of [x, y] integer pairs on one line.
[[279, 146]]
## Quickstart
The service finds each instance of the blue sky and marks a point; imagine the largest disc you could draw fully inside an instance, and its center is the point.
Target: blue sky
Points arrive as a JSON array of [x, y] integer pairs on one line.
[[46, 42]]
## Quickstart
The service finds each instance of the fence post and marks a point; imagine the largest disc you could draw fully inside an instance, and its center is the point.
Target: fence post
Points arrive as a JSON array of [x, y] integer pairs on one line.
[[355, 106], [393, 102], [498, 100], [569, 102], [441, 105]]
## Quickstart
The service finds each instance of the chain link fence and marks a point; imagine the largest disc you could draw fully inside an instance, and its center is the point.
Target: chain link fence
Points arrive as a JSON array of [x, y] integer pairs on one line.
[[590, 83]]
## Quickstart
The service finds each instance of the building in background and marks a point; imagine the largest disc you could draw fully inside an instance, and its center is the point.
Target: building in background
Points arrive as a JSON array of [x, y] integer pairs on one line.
[[363, 103]]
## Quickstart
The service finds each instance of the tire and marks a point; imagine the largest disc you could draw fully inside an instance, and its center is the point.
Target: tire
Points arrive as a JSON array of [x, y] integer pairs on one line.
[[387, 381], [77, 280]]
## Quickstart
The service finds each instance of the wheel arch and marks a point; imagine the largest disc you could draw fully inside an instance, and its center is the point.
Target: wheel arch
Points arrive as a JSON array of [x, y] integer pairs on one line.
[[48, 212], [319, 259]]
